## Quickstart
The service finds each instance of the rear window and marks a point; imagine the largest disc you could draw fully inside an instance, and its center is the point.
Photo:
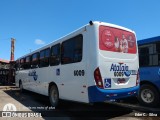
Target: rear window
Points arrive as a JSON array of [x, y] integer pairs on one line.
[[116, 40]]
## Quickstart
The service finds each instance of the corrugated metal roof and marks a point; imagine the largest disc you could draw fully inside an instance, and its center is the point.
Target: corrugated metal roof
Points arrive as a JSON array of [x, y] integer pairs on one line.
[[148, 40], [4, 61]]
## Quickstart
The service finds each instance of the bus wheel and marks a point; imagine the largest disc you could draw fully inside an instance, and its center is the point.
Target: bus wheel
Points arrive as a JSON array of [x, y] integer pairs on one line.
[[53, 95], [21, 86], [148, 96]]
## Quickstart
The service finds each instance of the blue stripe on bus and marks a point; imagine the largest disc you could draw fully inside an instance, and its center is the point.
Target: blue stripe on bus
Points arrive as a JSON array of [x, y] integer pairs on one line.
[[98, 95], [151, 74]]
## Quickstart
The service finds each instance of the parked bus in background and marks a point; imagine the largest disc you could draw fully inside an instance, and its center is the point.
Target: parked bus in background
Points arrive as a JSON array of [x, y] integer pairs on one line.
[[149, 60], [95, 63]]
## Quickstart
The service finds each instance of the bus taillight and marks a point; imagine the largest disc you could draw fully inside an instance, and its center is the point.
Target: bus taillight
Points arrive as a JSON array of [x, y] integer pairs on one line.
[[137, 79], [98, 78]]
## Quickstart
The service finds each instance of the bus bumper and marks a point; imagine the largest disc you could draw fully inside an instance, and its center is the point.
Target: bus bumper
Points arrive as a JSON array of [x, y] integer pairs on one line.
[[99, 95]]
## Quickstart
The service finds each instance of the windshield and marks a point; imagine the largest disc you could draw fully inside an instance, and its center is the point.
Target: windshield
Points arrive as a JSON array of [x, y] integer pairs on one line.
[[116, 40]]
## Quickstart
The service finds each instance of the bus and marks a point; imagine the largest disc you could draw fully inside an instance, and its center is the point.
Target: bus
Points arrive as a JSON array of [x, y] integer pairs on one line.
[[96, 63], [149, 61]]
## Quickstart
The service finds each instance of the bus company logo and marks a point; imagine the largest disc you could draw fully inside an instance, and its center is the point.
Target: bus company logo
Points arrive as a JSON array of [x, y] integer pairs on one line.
[[120, 70], [8, 109], [33, 73]]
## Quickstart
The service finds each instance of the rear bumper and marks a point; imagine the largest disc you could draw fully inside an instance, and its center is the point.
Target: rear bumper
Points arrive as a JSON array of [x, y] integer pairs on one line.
[[99, 95]]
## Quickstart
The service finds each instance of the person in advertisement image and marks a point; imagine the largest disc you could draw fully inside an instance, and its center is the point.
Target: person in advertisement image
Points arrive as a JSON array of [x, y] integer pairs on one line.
[[117, 44], [122, 45], [118, 41], [125, 44]]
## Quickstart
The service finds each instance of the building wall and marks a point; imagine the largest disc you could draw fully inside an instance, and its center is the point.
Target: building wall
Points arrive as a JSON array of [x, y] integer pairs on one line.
[[4, 65]]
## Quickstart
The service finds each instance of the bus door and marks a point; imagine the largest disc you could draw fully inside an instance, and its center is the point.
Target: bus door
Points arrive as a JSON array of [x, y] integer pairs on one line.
[[73, 69]]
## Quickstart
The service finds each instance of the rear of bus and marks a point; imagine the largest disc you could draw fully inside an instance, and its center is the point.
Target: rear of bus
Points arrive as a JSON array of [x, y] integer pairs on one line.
[[116, 73]]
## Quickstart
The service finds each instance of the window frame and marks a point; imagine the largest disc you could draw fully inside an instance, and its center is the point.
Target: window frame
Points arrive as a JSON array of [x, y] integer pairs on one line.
[[57, 56], [42, 61], [22, 64], [37, 60], [27, 64], [72, 41], [150, 55]]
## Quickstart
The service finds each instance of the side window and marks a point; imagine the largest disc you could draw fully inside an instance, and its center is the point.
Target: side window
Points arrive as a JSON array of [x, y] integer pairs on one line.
[[55, 55], [158, 51], [44, 58], [27, 64], [149, 55], [22, 61], [47, 53], [71, 50], [17, 65], [35, 60], [144, 56], [42, 62]]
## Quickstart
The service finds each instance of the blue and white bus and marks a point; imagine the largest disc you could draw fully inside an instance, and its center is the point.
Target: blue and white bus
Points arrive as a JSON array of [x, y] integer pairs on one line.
[[95, 63], [149, 60]]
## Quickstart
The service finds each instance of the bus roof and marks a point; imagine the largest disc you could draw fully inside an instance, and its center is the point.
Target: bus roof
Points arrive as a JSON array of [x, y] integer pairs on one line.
[[148, 40], [74, 32], [114, 25]]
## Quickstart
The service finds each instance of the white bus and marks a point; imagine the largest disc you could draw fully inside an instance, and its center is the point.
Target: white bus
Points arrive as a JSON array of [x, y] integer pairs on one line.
[[95, 63]]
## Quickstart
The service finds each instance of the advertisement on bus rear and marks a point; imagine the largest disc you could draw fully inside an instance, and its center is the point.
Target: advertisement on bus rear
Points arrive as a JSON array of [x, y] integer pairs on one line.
[[116, 40]]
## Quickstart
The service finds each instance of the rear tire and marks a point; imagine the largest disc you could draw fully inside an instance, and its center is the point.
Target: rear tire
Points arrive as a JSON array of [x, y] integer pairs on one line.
[[53, 95], [148, 96]]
